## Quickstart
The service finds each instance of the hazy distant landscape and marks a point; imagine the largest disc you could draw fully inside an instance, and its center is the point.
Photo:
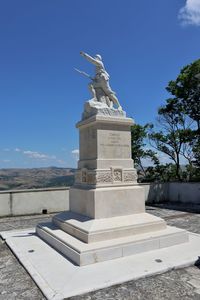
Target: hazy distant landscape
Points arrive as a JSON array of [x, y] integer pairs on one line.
[[35, 178]]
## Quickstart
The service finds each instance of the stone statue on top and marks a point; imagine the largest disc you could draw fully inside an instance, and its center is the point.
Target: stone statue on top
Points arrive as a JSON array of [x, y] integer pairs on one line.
[[104, 99]]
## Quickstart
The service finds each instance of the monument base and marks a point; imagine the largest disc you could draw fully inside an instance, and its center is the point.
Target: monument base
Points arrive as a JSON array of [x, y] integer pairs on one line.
[[95, 230], [107, 218], [82, 253]]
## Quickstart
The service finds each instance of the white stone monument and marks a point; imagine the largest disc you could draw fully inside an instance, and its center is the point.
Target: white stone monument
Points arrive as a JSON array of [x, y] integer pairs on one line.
[[107, 217]]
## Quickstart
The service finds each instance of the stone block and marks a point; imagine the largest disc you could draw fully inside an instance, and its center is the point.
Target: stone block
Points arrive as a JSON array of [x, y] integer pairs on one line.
[[107, 202]]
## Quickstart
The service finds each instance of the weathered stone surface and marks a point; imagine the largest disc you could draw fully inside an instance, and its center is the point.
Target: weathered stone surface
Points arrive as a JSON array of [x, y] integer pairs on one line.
[[179, 284], [15, 283], [10, 223]]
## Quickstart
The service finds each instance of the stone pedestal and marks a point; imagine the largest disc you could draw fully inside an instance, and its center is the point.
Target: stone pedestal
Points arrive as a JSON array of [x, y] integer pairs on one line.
[[107, 216], [106, 180], [105, 152]]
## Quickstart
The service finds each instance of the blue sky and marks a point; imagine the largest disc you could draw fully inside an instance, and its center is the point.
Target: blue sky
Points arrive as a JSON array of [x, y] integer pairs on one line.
[[143, 43]]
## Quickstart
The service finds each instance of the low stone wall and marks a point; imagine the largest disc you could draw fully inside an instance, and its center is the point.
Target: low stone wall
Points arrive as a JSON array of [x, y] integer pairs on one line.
[[179, 192], [38, 201], [156, 192], [5, 204], [33, 201], [184, 192]]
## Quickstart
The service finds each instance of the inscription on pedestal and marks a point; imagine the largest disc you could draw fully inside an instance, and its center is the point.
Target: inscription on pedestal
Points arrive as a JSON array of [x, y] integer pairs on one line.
[[113, 144]]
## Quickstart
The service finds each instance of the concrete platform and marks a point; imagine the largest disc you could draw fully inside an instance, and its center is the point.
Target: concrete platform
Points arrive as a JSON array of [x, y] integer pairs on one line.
[[58, 278]]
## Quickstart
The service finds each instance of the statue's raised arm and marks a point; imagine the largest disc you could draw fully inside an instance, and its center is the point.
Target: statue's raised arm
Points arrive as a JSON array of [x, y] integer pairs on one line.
[[90, 59], [100, 87]]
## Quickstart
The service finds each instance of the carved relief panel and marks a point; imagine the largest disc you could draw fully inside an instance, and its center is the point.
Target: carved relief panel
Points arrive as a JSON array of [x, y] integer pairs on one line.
[[110, 176]]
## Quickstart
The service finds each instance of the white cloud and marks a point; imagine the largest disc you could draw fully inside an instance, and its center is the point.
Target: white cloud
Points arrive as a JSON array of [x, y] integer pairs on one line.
[[6, 160], [190, 13], [17, 150], [75, 153], [6, 149], [37, 155]]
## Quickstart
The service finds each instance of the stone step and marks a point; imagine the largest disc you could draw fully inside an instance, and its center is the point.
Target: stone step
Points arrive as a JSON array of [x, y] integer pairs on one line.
[[93, 230], [83, 254]]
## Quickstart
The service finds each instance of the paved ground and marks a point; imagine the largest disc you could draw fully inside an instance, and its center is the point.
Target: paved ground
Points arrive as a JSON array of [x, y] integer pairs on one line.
[[184, 284]]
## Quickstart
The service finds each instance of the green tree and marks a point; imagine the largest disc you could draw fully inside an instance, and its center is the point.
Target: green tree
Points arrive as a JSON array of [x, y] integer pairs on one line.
[[179, 120], [174, 135], [196, 151], [186, 90], [140, 152], [160, 172], [178, 131]]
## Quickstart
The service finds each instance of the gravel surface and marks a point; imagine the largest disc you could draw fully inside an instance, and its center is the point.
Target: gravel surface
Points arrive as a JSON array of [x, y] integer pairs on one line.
[[179, 284], [15, 282]]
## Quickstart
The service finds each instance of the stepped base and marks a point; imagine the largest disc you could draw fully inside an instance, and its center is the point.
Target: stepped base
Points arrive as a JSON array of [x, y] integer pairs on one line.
[[94, 230], [83, 254]]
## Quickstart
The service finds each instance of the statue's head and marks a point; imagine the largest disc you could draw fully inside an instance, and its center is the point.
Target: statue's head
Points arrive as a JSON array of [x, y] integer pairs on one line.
[[98, 57]]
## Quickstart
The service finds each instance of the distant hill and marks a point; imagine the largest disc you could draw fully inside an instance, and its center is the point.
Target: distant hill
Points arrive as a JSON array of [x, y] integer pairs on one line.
[[35, 178]]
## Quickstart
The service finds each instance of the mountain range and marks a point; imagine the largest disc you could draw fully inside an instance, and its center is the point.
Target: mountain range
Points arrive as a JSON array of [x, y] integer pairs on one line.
[[35, 178]]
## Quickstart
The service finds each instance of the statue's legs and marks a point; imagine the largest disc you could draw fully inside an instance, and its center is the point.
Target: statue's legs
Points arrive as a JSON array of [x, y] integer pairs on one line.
[[107, 90], [105, 87], [109, 102], [92, 90], [114, 99]]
